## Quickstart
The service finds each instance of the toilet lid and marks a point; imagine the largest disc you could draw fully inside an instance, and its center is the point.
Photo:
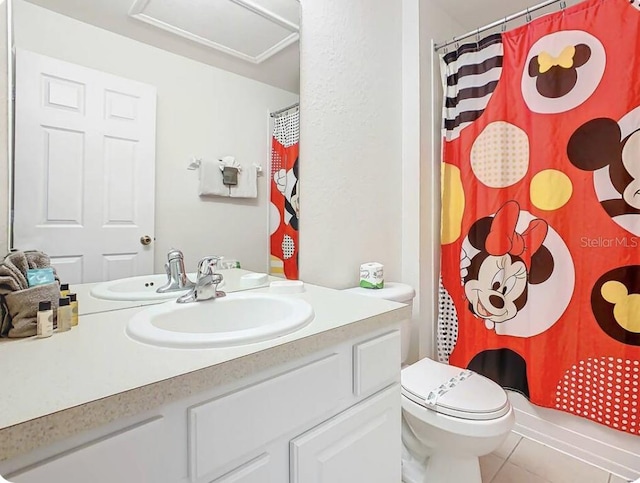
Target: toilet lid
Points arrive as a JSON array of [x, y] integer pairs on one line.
[[453, 391]]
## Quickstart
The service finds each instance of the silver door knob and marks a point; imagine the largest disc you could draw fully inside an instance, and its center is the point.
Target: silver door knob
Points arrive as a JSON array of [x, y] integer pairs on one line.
[[145, 240]]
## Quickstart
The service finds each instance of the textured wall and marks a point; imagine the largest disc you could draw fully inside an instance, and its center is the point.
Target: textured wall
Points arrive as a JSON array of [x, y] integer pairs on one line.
[[4, 183], [201, 111], [435, 26], [350, 139]]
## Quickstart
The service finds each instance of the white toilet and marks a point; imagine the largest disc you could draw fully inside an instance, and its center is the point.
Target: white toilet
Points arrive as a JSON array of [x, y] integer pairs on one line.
[[450, 416]]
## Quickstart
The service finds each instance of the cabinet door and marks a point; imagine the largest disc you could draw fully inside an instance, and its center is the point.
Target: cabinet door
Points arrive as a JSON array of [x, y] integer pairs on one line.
[[132, 456], [360, 444]]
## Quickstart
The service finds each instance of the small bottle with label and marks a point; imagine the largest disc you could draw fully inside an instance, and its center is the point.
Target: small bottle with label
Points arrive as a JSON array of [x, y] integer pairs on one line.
[[64, 315], [73, 301], [64, 290], [44, 320]]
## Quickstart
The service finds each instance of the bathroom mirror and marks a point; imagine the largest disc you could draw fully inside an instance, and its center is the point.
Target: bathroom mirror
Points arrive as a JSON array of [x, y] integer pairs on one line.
[[217, 71]]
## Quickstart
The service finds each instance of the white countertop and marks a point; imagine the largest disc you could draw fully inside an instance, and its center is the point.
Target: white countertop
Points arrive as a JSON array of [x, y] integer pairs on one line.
[[97, 359]]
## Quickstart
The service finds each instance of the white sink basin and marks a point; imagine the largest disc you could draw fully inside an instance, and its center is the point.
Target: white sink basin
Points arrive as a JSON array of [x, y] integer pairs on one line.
[[141, 288], [237, 319]]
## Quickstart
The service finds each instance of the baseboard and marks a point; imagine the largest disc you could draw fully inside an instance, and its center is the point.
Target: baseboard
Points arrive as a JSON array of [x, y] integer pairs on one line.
[[613, 451]]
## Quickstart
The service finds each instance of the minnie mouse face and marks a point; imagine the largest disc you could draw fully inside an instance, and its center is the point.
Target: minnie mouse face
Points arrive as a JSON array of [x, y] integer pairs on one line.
[[498, 277], [600, 143], [499, 290]]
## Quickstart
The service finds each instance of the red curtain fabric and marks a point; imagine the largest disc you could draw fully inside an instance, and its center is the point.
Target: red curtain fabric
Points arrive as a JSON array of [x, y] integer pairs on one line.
[[285, 199], [540, 286]]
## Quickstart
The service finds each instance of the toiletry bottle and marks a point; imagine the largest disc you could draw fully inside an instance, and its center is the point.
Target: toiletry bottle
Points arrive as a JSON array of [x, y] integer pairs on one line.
[[73, 301], [64, 290], [64, 315], [44, 320]]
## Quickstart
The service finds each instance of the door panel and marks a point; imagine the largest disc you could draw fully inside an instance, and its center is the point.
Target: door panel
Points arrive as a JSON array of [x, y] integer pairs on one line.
[[361, 444], [84, 168]]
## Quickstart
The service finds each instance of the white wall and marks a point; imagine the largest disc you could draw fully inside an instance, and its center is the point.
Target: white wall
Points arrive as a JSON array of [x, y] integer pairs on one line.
[[202, 111], [4, 171], [350, 139], [434, 26]]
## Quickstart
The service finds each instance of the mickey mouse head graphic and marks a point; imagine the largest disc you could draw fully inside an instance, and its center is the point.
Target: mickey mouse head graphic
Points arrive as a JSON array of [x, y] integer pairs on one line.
[[557, 76], [615, 302], [498, 277], [601, 146]]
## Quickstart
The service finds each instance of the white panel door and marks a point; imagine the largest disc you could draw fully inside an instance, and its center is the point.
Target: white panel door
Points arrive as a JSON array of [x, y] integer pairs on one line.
[[361, 444], [84, 169]]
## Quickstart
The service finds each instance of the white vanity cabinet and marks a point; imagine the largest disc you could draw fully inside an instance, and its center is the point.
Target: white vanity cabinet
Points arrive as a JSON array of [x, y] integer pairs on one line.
[[331, 416], [360, 444], [135, 455]]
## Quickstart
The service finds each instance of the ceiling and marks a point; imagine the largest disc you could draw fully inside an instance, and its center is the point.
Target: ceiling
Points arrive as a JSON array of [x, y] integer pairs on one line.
[[253, 38]]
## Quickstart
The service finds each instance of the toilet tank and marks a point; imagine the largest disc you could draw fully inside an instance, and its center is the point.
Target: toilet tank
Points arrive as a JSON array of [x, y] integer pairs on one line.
[[397, 292]]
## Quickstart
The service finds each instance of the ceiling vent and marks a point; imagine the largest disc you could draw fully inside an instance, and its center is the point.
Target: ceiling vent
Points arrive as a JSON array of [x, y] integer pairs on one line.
[[252, 30]]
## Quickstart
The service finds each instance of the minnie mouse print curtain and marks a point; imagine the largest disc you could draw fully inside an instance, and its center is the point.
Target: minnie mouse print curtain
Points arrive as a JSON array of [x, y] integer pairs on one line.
[[540, 285], [285, 206]]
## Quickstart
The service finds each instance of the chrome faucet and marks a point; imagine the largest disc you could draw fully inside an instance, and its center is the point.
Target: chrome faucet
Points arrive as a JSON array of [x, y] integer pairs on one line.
[[176, 275], [206, 286]]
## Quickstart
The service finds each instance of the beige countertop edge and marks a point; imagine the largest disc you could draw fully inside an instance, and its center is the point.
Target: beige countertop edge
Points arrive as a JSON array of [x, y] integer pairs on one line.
[[30, 435]]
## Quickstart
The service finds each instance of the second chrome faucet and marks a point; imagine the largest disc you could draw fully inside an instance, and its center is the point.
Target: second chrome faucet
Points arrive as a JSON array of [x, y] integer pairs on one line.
[[206, 286], [176, 275]]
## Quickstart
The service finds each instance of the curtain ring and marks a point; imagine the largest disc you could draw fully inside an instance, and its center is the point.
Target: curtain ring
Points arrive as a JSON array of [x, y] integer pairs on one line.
[[563, 5], [528, 17], [504, 25], [478, 38]]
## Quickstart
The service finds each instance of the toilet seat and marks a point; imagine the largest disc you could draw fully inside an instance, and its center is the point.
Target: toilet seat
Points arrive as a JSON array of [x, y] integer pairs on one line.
[[453, 391]]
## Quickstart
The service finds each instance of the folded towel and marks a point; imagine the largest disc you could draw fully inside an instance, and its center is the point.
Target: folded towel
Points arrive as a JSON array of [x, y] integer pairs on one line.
[[23, 307], [247, 186], [14, 300], [211, 179], [5, 319]]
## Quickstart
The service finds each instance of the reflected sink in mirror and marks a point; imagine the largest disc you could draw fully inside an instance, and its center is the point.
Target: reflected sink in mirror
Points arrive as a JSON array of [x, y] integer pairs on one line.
[[237, 319], [143, 288]]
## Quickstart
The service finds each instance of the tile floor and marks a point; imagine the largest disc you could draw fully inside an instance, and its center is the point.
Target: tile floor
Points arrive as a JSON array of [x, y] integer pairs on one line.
[[521, 460]]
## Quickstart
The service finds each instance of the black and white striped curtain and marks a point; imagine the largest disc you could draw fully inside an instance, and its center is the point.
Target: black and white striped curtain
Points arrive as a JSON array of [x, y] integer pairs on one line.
[[470, 75]]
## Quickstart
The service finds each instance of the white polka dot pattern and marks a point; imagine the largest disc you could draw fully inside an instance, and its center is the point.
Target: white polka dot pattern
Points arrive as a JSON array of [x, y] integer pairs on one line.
[[288, 247], [605, 390], [447, 325], [276, 162], [287, 128], [500, 155]]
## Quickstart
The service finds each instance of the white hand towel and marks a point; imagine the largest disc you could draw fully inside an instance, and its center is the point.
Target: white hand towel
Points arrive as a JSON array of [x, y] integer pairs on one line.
[[247, 186], [211, 179]]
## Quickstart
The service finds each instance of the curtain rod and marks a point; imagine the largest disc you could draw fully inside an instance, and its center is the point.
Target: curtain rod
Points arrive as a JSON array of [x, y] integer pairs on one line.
[[526, 12], [288, 108]]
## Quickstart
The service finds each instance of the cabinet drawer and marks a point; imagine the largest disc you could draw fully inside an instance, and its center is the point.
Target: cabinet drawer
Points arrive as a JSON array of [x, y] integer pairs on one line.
[[255, 471], [135, 455], [376, 363], [224, 430]]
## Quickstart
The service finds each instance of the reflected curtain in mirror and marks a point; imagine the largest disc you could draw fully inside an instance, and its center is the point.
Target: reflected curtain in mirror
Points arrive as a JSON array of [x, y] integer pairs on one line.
[[285, 207]]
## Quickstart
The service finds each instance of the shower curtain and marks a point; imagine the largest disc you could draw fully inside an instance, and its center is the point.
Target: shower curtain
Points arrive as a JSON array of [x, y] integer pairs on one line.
[[285, 198], [540, 274]]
